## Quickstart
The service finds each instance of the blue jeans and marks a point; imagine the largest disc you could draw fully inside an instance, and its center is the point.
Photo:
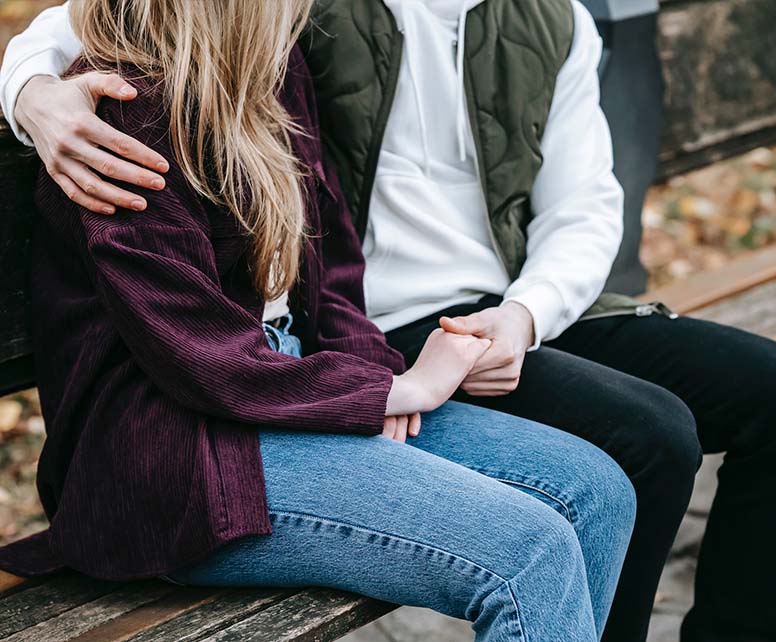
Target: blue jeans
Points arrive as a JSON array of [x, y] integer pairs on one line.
[[515, 526]]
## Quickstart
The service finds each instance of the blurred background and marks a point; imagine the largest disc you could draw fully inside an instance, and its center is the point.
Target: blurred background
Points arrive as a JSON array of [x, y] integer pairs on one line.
[[691, 223]]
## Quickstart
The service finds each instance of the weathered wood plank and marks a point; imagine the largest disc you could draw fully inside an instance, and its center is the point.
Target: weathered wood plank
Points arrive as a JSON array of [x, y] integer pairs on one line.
[[232, 606], [23, 609], [315, 615], [720, 80], [753, 311], [87, 616], [147, 616], [707, 287]]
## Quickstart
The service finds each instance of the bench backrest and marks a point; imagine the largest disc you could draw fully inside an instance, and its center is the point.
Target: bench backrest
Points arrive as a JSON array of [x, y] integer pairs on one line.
[[720, 100]]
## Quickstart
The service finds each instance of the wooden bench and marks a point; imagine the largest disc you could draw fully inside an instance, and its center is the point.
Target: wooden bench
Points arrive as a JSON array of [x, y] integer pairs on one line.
[[720, 100]]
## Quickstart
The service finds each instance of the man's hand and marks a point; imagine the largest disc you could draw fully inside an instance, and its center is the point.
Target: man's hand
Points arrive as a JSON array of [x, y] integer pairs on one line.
[[511, 331], [400, 427], [59, 116]]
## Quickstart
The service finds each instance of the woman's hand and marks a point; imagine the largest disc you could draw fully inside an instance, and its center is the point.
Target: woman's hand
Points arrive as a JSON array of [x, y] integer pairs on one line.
[[59, 116], [443, 363], [402, 426]]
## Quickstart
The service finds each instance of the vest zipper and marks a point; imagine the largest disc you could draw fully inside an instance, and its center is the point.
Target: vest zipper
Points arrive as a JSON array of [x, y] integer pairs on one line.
[[641, 310]]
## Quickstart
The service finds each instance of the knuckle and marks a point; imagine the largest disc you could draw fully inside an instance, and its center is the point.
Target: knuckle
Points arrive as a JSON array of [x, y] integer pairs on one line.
[[108, 168], [90, 188], [121, 145], [62, 146]]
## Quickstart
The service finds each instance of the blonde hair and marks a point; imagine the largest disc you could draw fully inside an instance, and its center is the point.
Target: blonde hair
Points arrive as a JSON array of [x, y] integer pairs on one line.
[[222, 63]]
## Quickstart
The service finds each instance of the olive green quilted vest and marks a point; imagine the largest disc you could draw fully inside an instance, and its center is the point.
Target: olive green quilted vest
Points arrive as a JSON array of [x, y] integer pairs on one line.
[[514, 50]]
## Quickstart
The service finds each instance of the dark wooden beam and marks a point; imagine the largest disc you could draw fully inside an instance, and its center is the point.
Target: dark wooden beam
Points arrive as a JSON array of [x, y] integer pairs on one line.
[[720, 80]]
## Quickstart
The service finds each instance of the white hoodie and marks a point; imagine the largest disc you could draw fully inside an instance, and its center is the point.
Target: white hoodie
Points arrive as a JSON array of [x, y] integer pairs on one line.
[[428, 243]]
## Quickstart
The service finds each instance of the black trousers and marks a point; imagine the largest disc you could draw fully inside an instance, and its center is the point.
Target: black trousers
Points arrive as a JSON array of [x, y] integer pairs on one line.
[[655, 394]]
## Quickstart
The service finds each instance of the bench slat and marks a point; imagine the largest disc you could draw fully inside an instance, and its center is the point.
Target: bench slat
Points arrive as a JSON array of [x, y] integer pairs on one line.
[[25, 608], [315, 615], [91, 614], [706, 288], [212, 616], [753, 311], [146, 616]]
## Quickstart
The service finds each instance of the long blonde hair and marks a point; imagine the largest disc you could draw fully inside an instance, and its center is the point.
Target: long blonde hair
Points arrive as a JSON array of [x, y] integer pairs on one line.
[[222, 63]]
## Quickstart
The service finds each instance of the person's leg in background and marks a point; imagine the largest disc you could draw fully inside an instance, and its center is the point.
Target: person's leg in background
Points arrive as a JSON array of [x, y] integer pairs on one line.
[[395, 522], [726, 377], [647, 430]]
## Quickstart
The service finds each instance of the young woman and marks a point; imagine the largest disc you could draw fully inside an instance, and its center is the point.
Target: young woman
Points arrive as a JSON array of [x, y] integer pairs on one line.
[[170, 348]]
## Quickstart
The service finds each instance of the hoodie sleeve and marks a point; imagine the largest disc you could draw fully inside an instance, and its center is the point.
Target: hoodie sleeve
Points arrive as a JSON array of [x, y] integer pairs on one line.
[[575, 233], [46, 48]]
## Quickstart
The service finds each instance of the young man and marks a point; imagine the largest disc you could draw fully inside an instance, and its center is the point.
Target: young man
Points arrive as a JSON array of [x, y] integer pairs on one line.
[[477, 165]]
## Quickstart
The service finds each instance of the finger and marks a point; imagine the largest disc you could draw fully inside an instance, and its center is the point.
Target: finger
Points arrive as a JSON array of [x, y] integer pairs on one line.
[[117, 168], [490, 360], [401, 429], [414, 425], [99, 189], [389, 427], [456, 325], [476, 349], [485, 390], [77, 195], [102, 134], [510, 373], [113, 85]]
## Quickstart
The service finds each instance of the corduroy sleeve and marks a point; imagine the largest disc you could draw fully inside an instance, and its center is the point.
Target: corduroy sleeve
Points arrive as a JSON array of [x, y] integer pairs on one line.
[[160, 288]]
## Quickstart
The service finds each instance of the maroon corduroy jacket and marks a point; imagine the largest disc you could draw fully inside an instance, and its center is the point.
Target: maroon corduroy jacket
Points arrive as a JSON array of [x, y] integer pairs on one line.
[[154, 372]]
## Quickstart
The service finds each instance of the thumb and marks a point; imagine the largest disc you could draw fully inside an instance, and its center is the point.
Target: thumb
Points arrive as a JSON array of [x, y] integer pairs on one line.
[[112, 85], [462, 325]]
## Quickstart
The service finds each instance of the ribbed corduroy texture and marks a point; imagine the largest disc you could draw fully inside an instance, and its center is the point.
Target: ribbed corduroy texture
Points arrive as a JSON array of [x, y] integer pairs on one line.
[[154, 372]]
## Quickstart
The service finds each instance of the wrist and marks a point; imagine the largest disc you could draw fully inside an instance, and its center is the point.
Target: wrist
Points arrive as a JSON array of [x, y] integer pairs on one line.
[[25, 101], [524, 320], [405, 396]]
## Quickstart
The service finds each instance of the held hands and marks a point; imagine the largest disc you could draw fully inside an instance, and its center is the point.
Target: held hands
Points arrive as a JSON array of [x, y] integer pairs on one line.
[[441, 367], [59, 116], [511, 331]]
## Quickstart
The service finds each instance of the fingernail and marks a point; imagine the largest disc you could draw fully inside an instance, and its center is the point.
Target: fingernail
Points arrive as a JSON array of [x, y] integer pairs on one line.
[[138, 205], [126, 90], [163, 166], [157, 183], [107, 210]]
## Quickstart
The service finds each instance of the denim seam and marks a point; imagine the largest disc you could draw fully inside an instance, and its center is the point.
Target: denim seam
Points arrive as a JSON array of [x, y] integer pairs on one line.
[[333, 522], [513, 596], [370, 531], [571, 516]]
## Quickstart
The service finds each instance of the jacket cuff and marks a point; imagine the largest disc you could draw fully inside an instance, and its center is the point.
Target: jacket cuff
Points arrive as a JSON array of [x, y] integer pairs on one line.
[[544, 302]]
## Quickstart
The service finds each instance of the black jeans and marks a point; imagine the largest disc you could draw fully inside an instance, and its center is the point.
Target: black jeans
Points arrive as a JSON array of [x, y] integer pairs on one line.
[[655, 393]]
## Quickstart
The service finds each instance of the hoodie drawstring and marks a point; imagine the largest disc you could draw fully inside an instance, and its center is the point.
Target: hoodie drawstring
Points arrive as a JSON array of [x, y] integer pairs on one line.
[[460, 119], [410, 45]]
